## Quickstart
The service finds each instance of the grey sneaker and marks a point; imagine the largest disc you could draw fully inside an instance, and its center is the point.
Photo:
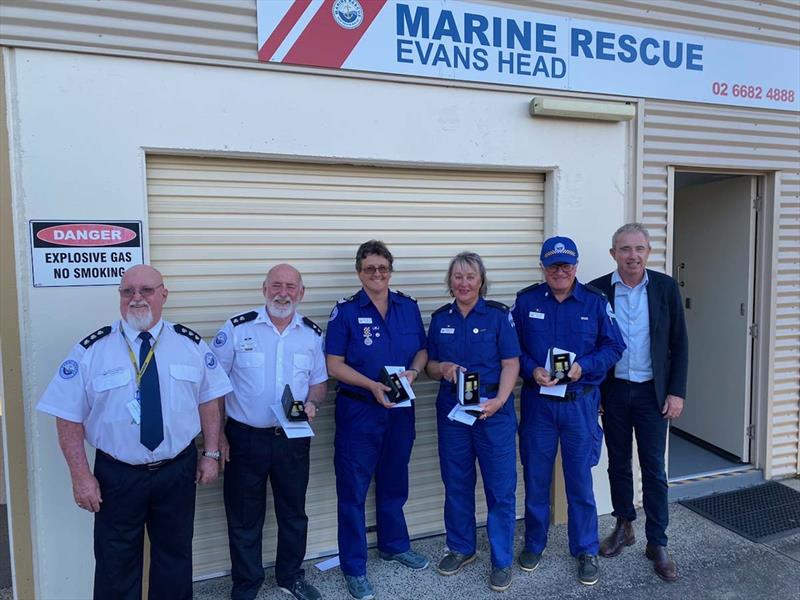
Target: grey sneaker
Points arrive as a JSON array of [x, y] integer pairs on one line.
[[529, 561], [453, 562], [588, 570], [500, 579], [409, 558], [302, 590], [359, 587]]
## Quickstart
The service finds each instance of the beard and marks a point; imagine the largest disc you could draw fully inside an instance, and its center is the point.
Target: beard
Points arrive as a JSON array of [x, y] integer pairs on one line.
[[280, 310], [138, 320]]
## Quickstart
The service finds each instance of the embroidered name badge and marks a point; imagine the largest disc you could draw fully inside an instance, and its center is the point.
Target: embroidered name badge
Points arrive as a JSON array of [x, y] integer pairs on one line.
[[535, 315], [448, 330], [365, 320]]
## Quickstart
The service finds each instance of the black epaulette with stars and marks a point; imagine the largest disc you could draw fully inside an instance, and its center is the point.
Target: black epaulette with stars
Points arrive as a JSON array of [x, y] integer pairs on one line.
[[496, 304], [346, 299], [442, 308], [184, 330], [404, 295], [244, 318], [594, 290], [95, 335], [309, 323], [528, 289]]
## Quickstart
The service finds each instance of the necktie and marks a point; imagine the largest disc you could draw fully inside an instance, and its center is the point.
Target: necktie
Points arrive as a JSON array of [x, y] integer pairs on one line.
[[152, 427]]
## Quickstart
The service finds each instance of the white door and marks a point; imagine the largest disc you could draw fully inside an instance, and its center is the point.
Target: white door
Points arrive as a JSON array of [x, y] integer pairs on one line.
[[713, 262]]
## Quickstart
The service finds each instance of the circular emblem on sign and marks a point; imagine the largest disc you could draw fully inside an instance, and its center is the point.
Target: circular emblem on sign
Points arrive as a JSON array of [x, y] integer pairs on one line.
[[348, 14], [68, 369], [220, 339], [559, 247], [211, 360]]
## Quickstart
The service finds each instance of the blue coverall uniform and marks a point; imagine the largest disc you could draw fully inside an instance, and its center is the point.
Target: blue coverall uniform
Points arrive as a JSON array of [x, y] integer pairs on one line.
[[583, 323], [370, 439], [478, 342]]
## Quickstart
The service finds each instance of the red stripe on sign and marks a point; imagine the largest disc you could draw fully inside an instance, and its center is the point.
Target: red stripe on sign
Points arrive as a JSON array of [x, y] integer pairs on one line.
[[288, 21], [324, 43]]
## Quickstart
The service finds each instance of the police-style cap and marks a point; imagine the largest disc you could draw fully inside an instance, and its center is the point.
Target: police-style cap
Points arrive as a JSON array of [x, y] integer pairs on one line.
[[558, 250]]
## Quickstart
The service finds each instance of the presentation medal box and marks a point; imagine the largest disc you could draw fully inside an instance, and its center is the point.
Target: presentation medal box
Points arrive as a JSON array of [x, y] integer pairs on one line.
[[398, 391], [294, 409], [560, 364], [469, 388]]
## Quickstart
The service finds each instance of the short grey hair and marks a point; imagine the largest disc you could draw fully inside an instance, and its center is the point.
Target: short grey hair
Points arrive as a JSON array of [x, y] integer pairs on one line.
[[630, 228], [473, 261]]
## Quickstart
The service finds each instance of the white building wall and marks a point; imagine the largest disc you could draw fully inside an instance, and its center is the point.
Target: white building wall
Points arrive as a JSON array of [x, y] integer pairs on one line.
[[80, 127]]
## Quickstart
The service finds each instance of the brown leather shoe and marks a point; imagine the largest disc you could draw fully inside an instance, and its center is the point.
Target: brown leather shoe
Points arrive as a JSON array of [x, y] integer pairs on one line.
[[616, 541], [663, 564]]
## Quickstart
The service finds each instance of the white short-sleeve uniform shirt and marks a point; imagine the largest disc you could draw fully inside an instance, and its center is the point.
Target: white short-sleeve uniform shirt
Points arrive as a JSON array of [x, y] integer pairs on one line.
[[260, 361], [94, 385]]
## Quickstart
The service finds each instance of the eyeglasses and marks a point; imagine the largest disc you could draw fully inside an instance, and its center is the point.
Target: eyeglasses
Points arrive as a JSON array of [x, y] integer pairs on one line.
[[371, 270], [145, 292], [563, 267]]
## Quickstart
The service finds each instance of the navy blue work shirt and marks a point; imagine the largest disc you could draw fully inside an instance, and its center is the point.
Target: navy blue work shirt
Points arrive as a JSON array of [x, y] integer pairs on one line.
[[478, 342], [584, 323], [368, 342]]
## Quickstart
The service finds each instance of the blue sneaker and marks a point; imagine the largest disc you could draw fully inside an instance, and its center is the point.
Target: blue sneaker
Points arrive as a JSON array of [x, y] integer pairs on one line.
[[359, 587], [409, 558]]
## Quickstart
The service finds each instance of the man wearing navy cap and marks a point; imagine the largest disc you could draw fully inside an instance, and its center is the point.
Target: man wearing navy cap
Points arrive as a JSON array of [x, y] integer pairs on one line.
[[562, 316]]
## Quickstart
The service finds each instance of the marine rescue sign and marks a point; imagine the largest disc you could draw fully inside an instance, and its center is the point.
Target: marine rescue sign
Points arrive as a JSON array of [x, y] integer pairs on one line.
[[78, 253], [463, 41]]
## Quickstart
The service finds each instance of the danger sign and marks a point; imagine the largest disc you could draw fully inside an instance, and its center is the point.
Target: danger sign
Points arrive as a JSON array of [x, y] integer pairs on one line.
[[76, 253]]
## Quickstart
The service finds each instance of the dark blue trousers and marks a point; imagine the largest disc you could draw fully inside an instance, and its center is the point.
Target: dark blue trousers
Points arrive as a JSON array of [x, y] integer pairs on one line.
[[258, 455], [493, 445], [162, 500], [632, 408], [371, 441]]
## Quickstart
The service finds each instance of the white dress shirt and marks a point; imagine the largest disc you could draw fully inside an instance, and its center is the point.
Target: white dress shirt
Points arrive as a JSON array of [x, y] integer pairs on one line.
[[633, 318]]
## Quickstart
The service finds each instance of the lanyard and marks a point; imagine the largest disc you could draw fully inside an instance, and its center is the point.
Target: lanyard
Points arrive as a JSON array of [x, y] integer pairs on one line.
[[140, 371]]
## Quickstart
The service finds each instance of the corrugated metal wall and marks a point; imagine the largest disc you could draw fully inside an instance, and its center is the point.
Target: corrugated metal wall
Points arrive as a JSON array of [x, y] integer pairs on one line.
[[216, 225], [675, 133]]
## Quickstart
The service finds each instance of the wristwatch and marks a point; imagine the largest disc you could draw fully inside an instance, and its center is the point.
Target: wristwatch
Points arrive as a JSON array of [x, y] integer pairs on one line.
[[215, 454]]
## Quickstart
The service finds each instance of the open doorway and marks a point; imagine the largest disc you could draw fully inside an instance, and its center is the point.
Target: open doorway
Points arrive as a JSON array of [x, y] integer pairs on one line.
[[714, 257]]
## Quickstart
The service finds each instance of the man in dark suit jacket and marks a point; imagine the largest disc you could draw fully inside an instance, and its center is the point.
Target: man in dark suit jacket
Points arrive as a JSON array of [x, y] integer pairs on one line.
[[643, 391]]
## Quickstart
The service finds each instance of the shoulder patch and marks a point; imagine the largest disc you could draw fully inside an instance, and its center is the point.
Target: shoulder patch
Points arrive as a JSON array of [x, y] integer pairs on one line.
[[404, 295], [95, 335], [442, 308], [346, 299], [496, 304], [184, 330], [309, 323], [244, 318], [528, 289], [594, 290]]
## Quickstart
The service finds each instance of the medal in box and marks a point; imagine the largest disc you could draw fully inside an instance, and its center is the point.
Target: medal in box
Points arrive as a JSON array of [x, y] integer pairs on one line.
[[293, 409], [560, 364], [398, 391], [469, 387]]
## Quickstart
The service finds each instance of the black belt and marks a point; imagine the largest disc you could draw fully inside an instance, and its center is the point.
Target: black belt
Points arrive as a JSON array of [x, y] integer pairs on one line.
[[262, 430], [153, 466], [633, 383], [569, 396]]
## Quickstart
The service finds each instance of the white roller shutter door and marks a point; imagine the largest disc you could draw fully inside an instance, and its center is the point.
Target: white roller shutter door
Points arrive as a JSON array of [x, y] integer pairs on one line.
[[217, 225]]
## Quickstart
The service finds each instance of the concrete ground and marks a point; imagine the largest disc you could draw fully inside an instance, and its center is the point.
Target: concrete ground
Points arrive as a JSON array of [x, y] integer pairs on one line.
[[714, 564]]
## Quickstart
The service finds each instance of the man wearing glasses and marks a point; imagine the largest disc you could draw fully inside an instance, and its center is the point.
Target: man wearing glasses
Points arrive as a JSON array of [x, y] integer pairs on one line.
[[139, 391], [569, 340]]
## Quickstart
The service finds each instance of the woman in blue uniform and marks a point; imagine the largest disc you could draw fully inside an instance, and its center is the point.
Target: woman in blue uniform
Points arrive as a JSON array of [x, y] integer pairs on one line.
[[474, 334], [374, 328]]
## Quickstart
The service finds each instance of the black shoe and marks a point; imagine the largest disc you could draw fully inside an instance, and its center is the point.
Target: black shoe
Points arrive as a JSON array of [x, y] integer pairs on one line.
[[615, 542], [500, 579], [453, 562], [302, 590], [588, 570], [528, 561]]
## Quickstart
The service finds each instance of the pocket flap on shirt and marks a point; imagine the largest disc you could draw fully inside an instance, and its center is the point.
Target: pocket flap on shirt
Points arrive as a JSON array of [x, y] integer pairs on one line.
[[302, 361], [185, 373], [249, 359], [113, 379]]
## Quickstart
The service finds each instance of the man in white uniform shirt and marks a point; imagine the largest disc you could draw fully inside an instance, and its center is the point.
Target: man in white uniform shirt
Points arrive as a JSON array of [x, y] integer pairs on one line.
[[142, 415], [263, 351]]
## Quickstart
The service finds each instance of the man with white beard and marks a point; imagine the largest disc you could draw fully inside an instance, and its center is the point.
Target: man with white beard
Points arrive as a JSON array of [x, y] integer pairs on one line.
[[263, 351], [142, 415]]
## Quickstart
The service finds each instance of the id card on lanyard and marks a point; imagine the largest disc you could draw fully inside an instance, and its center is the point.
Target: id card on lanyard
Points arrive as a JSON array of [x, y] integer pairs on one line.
[[135, 406]]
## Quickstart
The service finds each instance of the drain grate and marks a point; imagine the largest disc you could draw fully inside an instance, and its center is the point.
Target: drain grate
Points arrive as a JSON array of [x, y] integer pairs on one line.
[[761, 513]]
